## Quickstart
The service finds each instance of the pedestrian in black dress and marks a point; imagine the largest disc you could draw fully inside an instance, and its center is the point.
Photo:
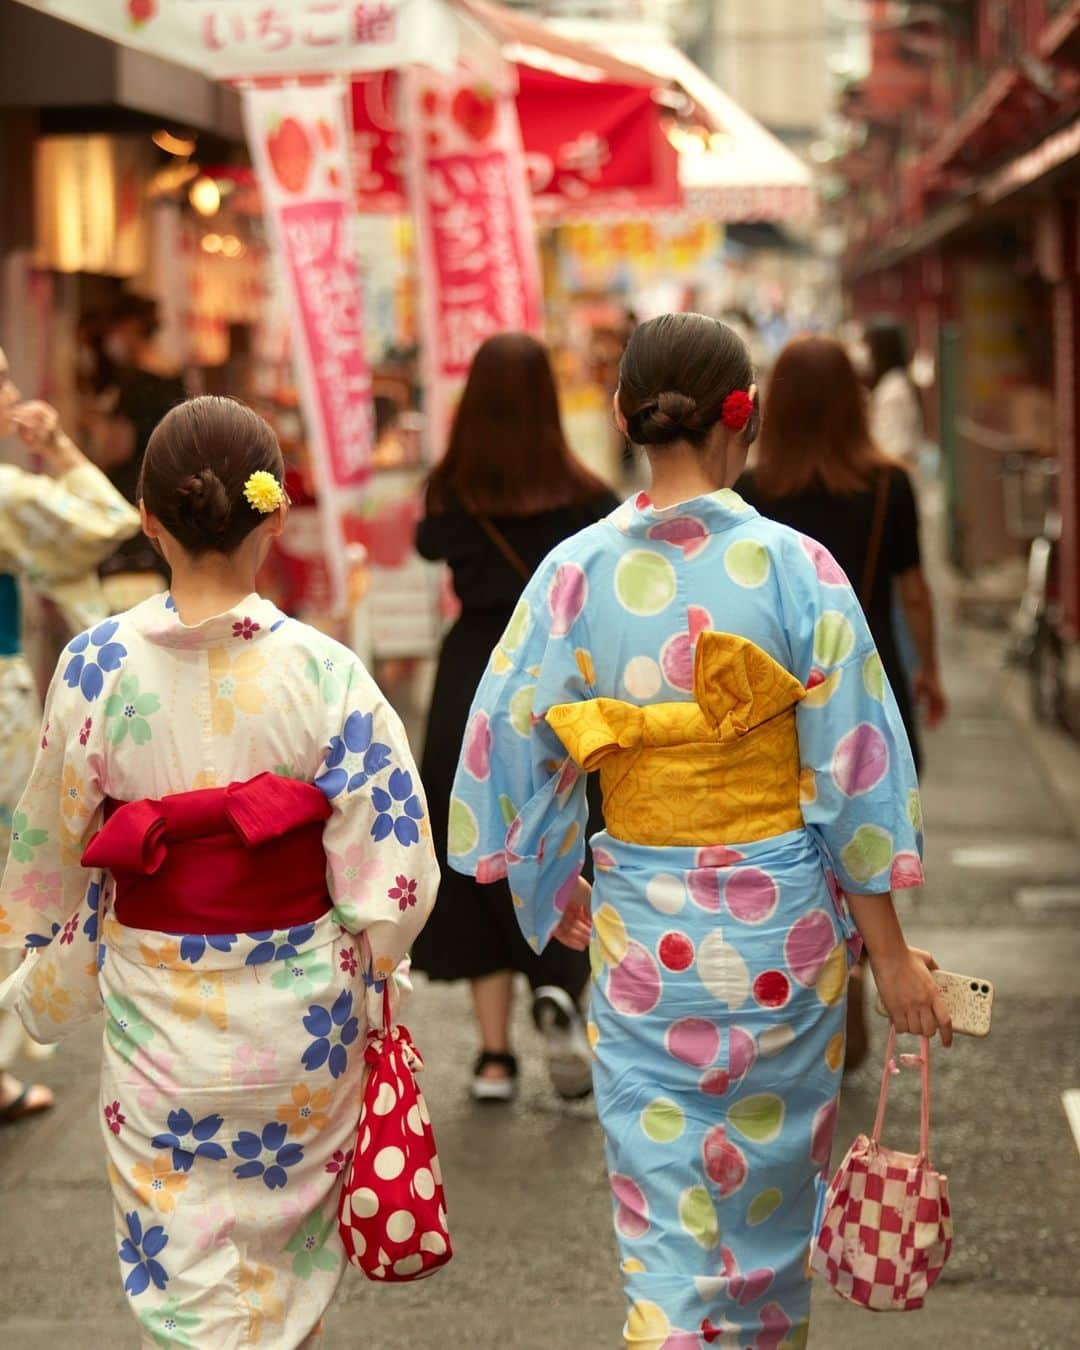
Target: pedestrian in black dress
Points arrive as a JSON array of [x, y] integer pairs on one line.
[[817, 469], [506, 493]]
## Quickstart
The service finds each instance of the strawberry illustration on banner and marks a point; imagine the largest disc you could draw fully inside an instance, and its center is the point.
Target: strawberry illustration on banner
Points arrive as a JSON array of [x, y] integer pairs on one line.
[[141, 11], [469, 193], [298, 142], [474, 110], [290, 155]]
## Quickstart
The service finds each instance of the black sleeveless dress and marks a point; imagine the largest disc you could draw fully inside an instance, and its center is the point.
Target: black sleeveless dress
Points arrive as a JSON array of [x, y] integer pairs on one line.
[[473, 930]]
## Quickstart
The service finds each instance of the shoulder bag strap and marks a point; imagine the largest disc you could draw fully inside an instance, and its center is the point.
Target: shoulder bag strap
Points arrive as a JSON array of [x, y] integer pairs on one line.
[[512, 556], [877, 529]]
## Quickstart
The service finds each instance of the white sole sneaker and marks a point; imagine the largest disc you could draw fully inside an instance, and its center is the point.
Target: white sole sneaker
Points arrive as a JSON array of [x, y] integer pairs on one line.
[[566, 1047]]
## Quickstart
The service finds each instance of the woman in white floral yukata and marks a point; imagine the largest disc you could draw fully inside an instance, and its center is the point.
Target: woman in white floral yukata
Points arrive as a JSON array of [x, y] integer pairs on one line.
[[242, 857], [55, 527]]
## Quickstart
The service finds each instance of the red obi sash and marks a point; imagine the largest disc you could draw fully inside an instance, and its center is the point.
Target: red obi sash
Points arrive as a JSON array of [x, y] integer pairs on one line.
[[239, 859]]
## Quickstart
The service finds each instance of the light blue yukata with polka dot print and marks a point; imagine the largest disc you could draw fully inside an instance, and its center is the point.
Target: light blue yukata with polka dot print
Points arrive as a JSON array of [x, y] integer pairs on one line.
[[720, 965]]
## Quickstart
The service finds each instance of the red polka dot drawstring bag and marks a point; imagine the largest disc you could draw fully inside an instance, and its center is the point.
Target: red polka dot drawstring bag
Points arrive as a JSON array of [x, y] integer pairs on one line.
[[886, 1231], [392, 1212]]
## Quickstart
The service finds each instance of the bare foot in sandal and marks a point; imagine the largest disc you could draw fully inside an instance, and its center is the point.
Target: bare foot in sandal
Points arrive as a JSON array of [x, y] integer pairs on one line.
[[19, 1099]]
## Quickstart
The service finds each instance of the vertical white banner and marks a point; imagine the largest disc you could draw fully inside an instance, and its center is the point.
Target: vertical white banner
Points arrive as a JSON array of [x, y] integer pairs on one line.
[[300, 146]]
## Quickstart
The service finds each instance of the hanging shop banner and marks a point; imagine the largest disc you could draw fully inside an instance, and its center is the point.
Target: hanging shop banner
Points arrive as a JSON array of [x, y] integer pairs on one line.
[[378, 173], [299, 146], [476, 245], [234, 39]]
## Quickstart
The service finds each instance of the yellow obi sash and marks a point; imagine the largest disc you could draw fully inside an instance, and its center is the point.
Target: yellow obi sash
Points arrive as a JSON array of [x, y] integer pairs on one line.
[[724, 768]]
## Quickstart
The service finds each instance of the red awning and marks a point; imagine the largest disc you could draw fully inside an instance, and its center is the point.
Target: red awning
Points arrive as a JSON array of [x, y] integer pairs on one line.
[[586, 141]]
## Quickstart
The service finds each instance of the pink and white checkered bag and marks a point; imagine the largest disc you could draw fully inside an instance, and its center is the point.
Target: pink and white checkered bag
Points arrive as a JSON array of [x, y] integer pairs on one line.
[[886, 1231]]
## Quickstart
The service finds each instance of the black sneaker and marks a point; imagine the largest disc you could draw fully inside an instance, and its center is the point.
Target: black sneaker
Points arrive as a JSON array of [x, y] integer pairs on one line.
[[569, 1057]]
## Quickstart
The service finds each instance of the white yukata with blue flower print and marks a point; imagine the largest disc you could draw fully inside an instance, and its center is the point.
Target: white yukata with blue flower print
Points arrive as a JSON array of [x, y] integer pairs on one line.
[[232, 1063]]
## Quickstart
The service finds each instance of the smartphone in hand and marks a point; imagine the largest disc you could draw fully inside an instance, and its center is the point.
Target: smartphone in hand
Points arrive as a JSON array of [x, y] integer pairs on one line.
[[970, 1002]]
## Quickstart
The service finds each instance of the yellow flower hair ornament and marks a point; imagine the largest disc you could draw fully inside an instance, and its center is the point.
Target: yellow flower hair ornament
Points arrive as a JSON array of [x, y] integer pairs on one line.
[[263, 492]]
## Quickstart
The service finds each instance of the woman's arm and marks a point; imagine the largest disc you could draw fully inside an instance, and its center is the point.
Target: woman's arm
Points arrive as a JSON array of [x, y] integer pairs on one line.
[[918, 603], [902, 973]]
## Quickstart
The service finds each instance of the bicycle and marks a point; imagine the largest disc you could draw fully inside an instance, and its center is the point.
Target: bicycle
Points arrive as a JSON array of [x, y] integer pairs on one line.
[[1037, 640]]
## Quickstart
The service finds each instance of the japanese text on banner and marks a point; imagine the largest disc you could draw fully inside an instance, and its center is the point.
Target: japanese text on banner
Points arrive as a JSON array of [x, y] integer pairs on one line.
[[234, 39], [476, 245]]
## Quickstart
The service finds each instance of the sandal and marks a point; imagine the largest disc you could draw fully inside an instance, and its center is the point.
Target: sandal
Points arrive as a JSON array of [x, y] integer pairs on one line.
[[25, 1103], [501, 1089]]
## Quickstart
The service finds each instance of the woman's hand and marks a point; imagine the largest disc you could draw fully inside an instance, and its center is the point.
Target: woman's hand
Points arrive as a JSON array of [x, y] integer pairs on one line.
[[38, 426], [575, 927], [930, 697], [912, 998]]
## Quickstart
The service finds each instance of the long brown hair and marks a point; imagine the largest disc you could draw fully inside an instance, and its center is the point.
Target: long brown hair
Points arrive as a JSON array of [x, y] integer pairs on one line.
[[508, 455], [815, 432]]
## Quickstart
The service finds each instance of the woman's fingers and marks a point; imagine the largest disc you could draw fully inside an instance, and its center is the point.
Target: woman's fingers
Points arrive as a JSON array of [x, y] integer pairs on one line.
[[944, 1021], [925, 958]]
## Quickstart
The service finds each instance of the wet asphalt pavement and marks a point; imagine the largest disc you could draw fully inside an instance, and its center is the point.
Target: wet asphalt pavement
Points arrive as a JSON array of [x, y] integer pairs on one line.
[[535, 1267]]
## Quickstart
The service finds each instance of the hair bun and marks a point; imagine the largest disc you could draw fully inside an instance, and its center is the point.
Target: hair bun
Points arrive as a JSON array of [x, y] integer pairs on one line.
[[205, 502], [665, 418]]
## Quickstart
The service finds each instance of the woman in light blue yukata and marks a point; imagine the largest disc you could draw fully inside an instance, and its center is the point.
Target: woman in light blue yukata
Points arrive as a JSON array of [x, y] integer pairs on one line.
[[760, 806]]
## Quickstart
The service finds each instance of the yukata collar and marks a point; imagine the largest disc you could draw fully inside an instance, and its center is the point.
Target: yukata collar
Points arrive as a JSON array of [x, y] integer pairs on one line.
[[248, 621], [715, 511]]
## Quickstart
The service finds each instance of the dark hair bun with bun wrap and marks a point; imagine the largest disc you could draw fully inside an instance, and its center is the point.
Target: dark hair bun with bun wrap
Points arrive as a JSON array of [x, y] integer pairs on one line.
[[197, 462], [203, 501], [664, 419], [675, 375]]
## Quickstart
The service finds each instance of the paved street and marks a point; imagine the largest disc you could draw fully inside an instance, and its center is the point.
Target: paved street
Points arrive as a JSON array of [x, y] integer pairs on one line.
[[535, 1266]]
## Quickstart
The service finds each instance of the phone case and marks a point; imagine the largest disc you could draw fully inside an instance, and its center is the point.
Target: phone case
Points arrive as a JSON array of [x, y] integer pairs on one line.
[[970, 1002]]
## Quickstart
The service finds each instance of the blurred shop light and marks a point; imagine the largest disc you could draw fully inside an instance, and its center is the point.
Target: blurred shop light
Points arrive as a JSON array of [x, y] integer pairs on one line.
[[232, 246], [181, 146], [211, 243], [688, 142], [205, 196], [171, 180], [88, 192], [822, 151]]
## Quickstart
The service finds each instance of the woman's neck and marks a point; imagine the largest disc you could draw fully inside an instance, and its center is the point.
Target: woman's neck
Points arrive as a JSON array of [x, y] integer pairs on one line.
[[204, 587], [680, 473]]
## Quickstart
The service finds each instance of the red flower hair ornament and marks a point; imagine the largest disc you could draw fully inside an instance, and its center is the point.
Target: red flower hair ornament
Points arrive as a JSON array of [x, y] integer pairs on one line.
[[737, 410]]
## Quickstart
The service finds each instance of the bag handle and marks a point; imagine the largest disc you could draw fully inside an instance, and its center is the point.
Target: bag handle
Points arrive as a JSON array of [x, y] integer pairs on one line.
[[512, 556], [877, 529], [923, 1060]]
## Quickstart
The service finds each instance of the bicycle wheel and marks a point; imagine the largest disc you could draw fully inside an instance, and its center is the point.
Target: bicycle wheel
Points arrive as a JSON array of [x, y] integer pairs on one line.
[[1049, 702]]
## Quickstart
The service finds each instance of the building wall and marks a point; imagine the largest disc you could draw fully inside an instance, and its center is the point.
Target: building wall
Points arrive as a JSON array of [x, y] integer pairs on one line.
[[773, 58]]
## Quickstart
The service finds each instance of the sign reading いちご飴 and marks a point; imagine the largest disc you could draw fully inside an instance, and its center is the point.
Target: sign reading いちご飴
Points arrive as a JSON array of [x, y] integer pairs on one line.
[[299, 145], [237, 39]]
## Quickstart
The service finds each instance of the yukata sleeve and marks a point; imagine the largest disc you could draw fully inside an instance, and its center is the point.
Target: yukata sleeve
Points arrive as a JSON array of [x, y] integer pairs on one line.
[[57, 530], [381, 868], [519, 808], [49, 903], [858, 786]]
